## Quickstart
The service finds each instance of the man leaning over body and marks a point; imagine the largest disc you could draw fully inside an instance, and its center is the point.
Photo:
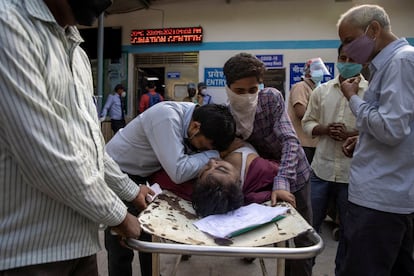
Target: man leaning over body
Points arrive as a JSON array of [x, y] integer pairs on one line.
[[179, 137]]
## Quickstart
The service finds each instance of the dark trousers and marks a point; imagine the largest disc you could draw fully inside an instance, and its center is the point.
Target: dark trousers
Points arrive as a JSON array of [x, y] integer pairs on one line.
[[86, 266], [303, 206], [117, 124], [119, 257], [377, 243]]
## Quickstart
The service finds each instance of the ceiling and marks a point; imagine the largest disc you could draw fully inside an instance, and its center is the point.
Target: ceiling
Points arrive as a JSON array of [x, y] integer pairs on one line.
[[124, 6]]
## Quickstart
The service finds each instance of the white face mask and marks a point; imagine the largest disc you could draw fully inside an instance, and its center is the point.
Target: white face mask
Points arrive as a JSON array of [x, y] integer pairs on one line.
[[123, 94], [243, 107]]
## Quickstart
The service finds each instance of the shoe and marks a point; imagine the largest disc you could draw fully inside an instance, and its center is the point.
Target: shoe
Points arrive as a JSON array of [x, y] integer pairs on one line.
[[335, 234], [185, 257], [248, 260]]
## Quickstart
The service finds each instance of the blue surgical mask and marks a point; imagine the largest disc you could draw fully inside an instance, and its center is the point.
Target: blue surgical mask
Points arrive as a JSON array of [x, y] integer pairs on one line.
[[261, 86], [317, 76], [348, 69]]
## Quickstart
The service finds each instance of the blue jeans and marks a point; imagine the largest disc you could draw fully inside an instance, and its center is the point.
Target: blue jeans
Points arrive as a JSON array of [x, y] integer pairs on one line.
[[321, 193]]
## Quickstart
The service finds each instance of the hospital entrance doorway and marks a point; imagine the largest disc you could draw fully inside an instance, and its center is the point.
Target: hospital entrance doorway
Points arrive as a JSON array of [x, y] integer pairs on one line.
[[171, 73], [275, 78]]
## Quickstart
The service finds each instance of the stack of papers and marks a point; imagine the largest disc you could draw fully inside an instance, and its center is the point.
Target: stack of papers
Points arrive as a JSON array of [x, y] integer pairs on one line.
[[240, 221]]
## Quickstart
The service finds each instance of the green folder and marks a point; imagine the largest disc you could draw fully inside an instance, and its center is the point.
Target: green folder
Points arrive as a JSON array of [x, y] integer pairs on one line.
[[250, 228]]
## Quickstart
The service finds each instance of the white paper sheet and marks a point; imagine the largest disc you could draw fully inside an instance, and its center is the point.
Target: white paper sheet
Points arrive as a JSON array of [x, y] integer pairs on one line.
[[223, 226], [157, 190]]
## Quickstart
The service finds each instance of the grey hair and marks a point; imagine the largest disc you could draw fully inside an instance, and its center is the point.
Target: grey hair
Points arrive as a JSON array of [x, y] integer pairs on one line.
[[361, 16]]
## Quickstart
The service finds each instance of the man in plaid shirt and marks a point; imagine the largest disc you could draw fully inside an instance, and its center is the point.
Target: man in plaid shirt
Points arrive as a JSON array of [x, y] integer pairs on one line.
[[262, 120]]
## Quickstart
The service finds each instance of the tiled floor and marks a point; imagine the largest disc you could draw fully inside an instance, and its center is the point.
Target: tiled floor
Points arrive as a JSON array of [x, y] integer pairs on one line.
[[220, 266]]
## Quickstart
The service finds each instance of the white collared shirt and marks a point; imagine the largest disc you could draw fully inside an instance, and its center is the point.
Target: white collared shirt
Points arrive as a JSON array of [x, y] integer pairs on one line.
[[328, 105]]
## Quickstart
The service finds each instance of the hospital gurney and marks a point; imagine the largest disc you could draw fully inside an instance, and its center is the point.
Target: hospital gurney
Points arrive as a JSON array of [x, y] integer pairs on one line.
[[171, 218]]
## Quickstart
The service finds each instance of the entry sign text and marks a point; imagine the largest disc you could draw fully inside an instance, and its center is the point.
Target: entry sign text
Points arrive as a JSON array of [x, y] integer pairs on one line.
[[214, 76]]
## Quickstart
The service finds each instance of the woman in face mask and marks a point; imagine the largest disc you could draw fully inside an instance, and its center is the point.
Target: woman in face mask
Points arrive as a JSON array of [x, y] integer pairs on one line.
[[262, 120]]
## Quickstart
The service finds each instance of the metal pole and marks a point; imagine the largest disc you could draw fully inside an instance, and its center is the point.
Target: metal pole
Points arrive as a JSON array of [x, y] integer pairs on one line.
[[100, 61], [232, 251]]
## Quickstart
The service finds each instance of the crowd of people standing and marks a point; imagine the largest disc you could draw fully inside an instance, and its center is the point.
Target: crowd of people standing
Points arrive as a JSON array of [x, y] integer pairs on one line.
[[60, 181]]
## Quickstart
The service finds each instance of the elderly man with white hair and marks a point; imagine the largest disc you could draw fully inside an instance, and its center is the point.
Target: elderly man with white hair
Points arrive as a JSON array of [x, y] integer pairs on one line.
[[379, 224]]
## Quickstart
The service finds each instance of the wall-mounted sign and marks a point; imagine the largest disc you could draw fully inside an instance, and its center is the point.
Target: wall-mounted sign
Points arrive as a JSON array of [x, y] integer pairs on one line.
[[214, 77], [271, 61], [173, 75], [296, 72], [167, 35]]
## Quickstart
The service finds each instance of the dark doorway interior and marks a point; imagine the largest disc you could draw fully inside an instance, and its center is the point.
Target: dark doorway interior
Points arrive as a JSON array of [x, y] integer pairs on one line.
[[275, 78], [145, 74]]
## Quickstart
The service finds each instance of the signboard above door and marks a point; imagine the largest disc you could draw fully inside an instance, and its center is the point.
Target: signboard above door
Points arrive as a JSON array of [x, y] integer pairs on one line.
[[167, 35]]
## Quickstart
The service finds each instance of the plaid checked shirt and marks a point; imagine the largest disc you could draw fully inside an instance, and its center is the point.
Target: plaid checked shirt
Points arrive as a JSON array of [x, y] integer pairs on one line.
[[274, 138]]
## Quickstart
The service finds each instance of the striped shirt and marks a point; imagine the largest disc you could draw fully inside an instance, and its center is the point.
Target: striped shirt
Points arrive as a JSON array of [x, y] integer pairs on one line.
[[274, 138], [54, 173]]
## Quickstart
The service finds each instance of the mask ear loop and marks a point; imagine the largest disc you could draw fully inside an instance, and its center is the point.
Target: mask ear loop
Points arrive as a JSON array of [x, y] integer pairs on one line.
[[366, 30], [192, 136]]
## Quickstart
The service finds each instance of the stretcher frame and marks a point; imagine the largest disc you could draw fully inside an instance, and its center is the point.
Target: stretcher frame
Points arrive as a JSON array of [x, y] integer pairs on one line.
[[169, 243]]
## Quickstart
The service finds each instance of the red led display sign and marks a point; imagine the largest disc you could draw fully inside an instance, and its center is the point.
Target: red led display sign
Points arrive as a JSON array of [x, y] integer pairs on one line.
[[167, 35]]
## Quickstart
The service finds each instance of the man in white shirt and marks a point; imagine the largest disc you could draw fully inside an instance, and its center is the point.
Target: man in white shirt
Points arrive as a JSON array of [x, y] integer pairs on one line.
[[57, 183], [180, 137], [329, 117]]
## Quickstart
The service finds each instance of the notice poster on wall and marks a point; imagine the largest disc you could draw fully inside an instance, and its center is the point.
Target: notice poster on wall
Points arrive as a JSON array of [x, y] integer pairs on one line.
[[296, 72]]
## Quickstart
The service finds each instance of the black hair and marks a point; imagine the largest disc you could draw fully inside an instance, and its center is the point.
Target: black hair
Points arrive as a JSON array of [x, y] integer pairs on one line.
[[210, 196], [242, 66], [216, 124], [201, 85], [151, 84], [119, 86]]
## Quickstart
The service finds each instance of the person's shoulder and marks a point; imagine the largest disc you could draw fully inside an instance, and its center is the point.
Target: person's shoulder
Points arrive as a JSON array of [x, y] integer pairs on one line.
[[12, 8], [145, 96], [299, 85], [168, 111], [171, 106], [270, 93]]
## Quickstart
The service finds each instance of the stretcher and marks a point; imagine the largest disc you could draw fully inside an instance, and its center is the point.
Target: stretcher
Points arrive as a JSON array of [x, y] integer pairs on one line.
[[170, 221]]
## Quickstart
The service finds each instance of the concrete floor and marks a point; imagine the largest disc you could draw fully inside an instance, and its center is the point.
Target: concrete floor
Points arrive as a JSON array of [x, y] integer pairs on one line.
[[219, 266]]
